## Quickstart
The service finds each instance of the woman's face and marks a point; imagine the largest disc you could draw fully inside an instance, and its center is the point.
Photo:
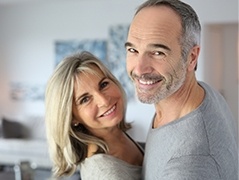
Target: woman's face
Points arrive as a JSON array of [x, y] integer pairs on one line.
[[98, 102]]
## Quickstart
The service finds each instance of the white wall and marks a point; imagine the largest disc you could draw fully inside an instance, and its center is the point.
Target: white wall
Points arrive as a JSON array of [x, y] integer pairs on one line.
[[28, 32], [221, 54]]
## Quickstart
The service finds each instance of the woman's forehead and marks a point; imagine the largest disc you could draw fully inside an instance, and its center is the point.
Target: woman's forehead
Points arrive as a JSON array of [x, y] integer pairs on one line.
[[87, 77]]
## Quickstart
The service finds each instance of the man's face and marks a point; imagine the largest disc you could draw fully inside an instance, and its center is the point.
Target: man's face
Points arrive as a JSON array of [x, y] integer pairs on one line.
[[154, 60]]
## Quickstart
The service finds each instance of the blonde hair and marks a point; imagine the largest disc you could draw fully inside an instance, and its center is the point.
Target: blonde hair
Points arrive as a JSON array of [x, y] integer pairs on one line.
[[68, 144]]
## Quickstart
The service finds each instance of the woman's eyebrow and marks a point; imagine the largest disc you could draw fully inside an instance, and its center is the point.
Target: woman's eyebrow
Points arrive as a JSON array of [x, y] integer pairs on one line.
[[85, 94], [79, 97], [102, 80]]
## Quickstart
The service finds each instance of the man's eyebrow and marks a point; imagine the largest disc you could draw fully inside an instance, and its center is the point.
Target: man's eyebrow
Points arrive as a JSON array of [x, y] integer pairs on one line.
[[160, 46], [127, 44]]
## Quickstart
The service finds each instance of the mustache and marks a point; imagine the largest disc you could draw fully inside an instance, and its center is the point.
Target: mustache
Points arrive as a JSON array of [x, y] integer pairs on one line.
[[147, 77]]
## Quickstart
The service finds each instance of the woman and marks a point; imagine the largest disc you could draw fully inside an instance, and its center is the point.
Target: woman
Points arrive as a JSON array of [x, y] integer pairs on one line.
[[85, 122]]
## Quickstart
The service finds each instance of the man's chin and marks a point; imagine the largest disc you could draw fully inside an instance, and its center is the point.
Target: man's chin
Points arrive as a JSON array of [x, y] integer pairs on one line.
[[145, 99]]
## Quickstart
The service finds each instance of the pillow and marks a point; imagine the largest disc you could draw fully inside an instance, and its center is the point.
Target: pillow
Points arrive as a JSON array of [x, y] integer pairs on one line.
[[34, 127], [11, 129], [1, 129]]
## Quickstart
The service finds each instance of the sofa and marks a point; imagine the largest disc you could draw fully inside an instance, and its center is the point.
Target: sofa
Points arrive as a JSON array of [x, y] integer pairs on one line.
[[24, 139]]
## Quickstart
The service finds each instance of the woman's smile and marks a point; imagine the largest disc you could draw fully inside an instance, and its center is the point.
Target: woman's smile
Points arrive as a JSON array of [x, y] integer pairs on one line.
[[109, 112]]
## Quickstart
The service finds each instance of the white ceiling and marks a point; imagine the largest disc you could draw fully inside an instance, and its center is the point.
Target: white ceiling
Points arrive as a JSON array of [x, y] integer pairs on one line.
[[13, 1], [3, 2], [6, 2]]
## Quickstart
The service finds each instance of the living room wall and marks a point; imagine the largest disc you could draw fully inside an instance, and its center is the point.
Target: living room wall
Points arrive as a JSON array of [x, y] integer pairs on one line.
[[30, 29]]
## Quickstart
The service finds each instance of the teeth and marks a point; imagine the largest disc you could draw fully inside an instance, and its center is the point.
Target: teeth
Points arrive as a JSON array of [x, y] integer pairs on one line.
[[147, 82], [110, 111]]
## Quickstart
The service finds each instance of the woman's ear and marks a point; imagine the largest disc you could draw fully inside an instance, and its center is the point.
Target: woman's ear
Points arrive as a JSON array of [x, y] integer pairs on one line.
[[74, 121], [193, 58]]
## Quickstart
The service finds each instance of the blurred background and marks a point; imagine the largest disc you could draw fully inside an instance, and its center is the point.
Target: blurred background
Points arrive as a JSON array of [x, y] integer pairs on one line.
[[29, 30]]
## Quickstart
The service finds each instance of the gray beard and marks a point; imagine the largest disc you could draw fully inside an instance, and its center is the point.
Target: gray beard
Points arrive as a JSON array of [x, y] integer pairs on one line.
[[163, 92]]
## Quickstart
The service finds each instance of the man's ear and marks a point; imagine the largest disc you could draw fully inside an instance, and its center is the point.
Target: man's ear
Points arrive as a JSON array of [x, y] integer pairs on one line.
[[193, 58]]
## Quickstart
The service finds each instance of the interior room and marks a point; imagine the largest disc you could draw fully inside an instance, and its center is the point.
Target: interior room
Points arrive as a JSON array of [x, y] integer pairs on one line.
[[30, 37]]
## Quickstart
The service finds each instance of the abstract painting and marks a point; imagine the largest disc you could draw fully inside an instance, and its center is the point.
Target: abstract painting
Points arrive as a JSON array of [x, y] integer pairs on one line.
[[110, 51], [27, 92], [117, 57], [65, 48]]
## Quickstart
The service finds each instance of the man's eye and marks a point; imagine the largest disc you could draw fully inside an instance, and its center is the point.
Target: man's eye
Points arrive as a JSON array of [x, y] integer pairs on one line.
[[159, 53], [131, 50]]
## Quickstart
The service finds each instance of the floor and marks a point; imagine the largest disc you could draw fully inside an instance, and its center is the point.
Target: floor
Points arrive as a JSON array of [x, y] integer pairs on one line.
[[8, 173]]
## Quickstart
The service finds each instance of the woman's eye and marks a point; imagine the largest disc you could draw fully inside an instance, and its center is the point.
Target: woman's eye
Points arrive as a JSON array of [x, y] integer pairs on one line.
[[104, 84], [84, 100]]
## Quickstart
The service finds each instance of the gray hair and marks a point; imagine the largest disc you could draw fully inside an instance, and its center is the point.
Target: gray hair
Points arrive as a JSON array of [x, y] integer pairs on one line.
[[191, 28]]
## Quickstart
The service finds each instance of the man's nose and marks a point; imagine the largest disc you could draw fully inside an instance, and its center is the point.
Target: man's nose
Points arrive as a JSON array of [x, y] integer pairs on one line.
[[143, 65]]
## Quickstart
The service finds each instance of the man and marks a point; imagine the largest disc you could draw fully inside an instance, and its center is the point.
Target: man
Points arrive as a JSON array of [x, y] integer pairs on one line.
[[192, 134]]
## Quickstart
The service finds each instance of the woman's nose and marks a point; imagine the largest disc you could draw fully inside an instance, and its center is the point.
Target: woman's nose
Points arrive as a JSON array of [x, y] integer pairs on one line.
[[102, 99]]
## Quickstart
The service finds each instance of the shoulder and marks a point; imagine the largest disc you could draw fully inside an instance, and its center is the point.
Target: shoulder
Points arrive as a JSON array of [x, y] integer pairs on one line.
[[95, 166], [102, 166], [195, 167], [105, 161], [211, 92]]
